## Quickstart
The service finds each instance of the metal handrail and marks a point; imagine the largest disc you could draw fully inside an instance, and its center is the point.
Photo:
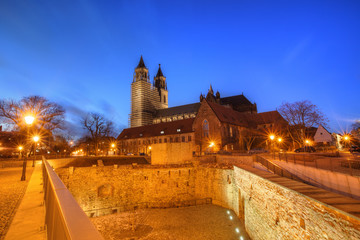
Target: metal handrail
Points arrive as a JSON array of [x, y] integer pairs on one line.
[[64, 218], [276, 169]]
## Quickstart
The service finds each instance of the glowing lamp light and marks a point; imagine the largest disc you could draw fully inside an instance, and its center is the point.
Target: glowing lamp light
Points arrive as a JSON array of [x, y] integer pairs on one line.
[[36, 138], [211, 144], [149, 147], [113, 145], [20, 148], [346, 138], [307, 141], [279, 139], [272, 136], [29, 119], [237, 230], [231, 218], [228, 212]]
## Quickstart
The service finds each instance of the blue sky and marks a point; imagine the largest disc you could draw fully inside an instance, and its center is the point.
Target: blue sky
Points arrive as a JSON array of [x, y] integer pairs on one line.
[[82, 54]]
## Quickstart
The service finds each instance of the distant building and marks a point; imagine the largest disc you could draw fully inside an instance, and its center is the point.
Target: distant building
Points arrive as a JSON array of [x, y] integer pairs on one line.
[[323, 136], [174, 135], [149, 101]]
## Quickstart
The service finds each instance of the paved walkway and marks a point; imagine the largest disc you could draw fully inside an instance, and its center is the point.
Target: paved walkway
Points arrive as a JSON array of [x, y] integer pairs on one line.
[[29, 219], [12, 191]]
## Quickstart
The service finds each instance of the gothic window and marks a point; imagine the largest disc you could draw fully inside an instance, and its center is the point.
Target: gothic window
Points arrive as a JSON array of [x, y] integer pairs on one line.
[[230, 131], [205, 128], [164, 99]]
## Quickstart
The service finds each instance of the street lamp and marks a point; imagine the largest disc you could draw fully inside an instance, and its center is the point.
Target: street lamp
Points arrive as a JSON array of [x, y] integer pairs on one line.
[[36, 139], [20, 149], [347, 140], [29, 119], [272, 137], [113, 145]]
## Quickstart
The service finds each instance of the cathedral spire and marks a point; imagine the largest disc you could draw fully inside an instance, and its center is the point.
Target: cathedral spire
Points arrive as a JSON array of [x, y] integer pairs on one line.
[[211, 90], [160, 79], [141, 63], [159, 72]]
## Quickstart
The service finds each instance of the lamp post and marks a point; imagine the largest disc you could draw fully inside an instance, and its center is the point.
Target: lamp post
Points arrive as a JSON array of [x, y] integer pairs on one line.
[[113, 145], [272, 137], [29, 121], [20, 149], [36, 139], [346, 139], [306, 144]]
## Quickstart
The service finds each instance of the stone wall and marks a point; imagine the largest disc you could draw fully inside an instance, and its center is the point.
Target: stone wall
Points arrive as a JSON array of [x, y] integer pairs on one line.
[[272, 211], [235, 160], [269, 211], [218, 184], [107, 187], [172, 153]]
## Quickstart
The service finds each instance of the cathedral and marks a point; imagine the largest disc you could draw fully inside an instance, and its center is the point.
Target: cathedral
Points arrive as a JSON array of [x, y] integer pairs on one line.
[[149, 101], [176, 134]]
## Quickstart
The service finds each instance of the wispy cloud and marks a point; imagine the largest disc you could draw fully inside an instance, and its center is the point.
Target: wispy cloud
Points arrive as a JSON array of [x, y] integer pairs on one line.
[[297, 50]]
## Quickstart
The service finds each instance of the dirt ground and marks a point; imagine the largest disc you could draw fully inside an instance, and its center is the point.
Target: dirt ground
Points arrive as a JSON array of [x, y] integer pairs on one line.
[[11, 192], [208, 222]]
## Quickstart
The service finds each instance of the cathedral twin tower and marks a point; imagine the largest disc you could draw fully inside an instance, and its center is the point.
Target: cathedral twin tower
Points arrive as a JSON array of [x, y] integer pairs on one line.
[[146, 97]]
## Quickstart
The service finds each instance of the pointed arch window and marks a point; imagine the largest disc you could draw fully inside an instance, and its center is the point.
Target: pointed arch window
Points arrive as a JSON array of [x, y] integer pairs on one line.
[[205, 127], [164, 99]]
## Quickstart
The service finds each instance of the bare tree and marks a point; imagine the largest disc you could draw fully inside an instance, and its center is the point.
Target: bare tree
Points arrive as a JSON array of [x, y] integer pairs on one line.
[[98, 127], [249, 138], [301, 116], [49, 115]]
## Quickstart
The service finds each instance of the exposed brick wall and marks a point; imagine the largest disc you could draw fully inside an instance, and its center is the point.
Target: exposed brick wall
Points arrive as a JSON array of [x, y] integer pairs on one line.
[[219, 132], [205, 112]]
